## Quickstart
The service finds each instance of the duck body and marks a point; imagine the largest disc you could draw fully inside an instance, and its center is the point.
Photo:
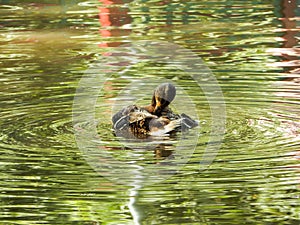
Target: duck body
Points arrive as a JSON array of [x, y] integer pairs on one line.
[[156, 119], [135, 120]]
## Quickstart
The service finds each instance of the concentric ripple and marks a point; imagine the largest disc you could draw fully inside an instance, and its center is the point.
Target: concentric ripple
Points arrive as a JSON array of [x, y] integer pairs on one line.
[[251, 48]]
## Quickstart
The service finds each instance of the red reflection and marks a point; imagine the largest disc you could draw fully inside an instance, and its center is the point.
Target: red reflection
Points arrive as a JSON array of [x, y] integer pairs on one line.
[[112, 18]]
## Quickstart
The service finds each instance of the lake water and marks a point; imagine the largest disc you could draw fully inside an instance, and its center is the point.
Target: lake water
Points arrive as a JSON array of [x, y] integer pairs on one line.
[[67, 65]]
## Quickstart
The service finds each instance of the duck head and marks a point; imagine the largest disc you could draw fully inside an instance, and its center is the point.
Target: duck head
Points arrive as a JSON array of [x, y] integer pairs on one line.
[[163, 95]]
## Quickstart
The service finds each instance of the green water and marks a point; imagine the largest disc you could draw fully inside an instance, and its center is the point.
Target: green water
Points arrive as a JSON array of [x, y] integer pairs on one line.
[[47, 176]]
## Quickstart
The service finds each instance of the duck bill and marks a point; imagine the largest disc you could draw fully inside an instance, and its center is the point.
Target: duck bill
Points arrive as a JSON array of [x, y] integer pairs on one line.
[[157, 108]]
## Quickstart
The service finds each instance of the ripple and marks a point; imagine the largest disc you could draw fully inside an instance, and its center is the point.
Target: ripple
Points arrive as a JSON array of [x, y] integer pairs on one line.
[[10, 8], [250, 48]]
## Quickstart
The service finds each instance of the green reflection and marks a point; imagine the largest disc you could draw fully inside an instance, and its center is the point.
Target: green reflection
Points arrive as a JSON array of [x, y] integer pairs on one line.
[[45, 48]]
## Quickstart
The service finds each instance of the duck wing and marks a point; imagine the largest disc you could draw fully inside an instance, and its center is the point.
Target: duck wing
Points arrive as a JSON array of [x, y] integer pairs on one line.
[[187, 122], [121, 118]]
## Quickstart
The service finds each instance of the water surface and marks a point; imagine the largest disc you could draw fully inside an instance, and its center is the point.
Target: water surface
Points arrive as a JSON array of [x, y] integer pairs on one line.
[[251, 48]]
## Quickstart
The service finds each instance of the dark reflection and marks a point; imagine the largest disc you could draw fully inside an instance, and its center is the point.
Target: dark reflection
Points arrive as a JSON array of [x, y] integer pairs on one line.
[[289, 9], [289, 53], [163, 151], [162, 148]]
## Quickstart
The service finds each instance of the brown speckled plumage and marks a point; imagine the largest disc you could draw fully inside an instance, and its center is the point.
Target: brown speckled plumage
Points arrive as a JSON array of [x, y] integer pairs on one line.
[[154, 119]]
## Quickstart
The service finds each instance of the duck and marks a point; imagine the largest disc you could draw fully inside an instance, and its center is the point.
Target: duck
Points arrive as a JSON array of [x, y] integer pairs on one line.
[[139, 122], [155, 119]]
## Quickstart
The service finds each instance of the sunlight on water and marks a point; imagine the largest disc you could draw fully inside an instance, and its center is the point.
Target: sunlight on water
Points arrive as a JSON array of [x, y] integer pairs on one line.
[[251, 48]]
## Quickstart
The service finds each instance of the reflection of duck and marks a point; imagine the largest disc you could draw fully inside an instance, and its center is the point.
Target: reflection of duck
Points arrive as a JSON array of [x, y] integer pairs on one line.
[[155, 119]]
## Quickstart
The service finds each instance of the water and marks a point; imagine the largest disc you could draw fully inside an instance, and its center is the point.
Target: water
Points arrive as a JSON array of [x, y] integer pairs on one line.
[[48, 47]]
